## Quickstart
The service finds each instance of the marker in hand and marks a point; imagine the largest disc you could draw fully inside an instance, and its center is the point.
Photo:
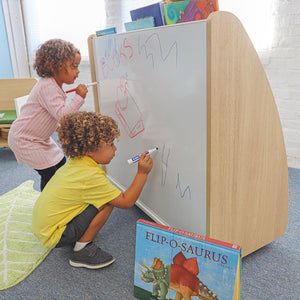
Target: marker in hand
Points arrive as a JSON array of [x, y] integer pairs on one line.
[[137, 157], [87, 85]]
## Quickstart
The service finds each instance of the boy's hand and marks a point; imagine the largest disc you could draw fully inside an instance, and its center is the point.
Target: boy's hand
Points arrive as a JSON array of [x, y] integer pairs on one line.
[[81, 90], [129, 197], [145, 163]]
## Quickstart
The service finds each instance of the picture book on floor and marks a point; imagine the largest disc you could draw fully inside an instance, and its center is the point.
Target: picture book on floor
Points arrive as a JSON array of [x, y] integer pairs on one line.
[[176, 264]]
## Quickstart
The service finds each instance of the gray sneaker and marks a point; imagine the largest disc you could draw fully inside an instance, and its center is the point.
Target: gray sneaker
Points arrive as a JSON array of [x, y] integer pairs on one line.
[[91, 257]]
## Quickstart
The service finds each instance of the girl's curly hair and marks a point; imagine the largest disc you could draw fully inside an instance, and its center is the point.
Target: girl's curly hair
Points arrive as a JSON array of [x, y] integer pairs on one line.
[[82, 132], [53, 54]]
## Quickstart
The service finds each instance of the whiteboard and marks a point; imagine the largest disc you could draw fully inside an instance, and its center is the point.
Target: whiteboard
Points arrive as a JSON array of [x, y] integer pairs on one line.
[[153, 83]]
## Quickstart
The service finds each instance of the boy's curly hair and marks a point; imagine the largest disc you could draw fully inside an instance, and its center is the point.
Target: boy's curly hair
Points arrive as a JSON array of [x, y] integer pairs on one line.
[[81, 132], [51, 55]]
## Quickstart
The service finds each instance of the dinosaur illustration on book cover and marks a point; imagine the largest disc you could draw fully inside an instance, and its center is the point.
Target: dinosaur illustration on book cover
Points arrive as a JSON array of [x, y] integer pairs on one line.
[[181, 276]]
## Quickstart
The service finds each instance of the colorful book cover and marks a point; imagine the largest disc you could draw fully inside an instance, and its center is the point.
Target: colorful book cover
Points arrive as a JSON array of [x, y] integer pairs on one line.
[[174, 10], [107, 31], [140, 24], [153, 10], [175, 264], [198, 10]]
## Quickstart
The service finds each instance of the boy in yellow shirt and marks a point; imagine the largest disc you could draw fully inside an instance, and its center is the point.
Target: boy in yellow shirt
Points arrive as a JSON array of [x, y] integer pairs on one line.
[[79, 199]]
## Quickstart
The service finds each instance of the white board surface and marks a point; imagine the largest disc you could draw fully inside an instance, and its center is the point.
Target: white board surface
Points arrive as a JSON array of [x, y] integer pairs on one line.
[[153, 83]]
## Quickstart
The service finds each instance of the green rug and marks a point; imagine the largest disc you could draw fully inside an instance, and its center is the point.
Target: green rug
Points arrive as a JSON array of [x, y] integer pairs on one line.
[[20, 251]]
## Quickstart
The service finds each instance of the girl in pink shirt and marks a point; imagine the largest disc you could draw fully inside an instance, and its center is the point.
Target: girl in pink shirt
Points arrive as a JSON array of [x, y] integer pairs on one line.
[[29, 137]]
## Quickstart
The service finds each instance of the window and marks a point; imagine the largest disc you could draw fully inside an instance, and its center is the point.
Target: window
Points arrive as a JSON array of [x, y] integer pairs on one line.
[[74, 20]]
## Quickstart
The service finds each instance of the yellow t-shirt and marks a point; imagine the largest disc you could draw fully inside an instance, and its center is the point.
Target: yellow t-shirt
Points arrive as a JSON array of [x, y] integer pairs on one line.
[[76, 185]]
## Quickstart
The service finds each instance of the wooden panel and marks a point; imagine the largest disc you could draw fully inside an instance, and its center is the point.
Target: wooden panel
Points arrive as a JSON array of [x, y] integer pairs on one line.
[[9, 90], [247, 180], [93, 71], [13, 88], [3, 141]]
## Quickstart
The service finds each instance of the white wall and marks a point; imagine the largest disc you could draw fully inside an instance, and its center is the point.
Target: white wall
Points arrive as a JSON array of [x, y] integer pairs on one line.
[[274, 28], [282, 66]]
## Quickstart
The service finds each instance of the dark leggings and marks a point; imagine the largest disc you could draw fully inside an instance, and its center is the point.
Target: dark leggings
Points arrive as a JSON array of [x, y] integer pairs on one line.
[[46, 174]]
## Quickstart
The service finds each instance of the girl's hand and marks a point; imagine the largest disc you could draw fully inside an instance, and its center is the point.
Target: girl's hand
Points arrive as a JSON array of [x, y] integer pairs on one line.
[[81, 90], [145, 163]]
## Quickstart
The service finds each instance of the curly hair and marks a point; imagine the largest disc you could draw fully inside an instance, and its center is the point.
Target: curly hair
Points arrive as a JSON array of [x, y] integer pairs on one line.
[[81, 132], [52, 55]]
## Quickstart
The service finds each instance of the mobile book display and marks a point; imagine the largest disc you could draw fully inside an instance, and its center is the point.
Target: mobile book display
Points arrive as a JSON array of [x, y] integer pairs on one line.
[[199, 93]]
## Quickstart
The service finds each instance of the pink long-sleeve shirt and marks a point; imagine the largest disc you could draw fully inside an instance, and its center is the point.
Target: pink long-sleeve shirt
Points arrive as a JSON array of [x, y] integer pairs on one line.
[[30, 135]]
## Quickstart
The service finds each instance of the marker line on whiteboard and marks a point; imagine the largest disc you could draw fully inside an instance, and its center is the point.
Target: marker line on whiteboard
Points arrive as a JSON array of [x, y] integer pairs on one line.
[[137, 157], [87, 85]]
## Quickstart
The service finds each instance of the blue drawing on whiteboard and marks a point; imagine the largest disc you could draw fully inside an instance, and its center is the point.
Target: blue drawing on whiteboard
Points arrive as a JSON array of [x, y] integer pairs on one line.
[[111, 51], [164, 164], [152, 45], [164, 169], [187, 189]]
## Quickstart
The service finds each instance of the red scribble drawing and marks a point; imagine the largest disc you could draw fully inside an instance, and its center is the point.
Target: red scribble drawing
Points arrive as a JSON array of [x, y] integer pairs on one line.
[[128, 111], [113, 53], [125, 50]]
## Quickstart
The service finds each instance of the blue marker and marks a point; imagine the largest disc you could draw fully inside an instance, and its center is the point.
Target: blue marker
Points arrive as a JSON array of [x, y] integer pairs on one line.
[[137, 157]]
